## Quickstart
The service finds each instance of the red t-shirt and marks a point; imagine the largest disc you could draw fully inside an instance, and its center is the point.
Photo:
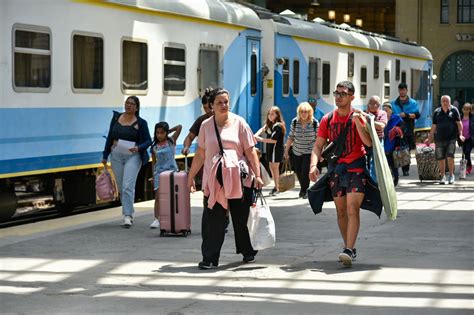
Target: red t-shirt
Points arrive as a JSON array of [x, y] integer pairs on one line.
[[354, 148]]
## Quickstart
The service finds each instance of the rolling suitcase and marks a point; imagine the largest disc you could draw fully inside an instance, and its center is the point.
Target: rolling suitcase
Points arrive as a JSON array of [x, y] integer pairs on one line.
[[426, 162], [174, 202]]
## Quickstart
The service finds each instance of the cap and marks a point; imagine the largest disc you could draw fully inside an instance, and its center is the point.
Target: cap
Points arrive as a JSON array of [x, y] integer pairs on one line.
[[388, 104], [311, 100]]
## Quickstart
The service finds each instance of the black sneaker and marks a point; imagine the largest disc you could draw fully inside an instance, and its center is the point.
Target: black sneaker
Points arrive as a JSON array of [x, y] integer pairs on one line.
[[347, 256], [273, 192], [395, 181], [204, 265], [248, 259]]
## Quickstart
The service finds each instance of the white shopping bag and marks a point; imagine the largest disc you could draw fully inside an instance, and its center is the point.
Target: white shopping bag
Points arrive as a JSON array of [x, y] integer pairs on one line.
[[462, 168], [261, 225], [265, 176]]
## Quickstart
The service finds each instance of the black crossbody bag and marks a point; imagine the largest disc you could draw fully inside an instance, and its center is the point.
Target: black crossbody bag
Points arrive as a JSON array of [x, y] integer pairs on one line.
[[333, 151]]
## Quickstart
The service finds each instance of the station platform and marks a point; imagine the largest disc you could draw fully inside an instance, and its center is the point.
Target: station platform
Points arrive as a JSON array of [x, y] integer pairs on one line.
[[421, 263]]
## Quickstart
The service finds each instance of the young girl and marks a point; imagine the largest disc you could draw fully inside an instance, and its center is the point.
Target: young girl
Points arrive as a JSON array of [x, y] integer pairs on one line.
[[275, 129], [162, 153]]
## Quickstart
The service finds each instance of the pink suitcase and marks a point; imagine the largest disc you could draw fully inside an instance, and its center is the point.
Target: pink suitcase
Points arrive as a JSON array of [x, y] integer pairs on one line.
[[175, 204]]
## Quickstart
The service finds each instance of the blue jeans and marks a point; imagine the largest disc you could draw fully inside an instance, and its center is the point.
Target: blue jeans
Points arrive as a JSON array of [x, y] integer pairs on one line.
[[126, 168]]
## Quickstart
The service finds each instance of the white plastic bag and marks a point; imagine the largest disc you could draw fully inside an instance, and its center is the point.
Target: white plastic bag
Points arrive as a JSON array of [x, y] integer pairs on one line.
[[462, 168], [261, 225], [265, 176]]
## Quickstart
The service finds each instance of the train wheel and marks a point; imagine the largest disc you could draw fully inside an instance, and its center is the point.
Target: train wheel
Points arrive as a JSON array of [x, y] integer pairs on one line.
[[8, 205]]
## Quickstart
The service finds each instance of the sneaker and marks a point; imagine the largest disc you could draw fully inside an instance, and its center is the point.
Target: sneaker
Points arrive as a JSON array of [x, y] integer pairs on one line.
[[273, 192], [395, 181], [354, 255], [248, 259], [451, 179], [443, 180], [127, 221], [469, 169], [347, 256], [155, 224], [204, 265]]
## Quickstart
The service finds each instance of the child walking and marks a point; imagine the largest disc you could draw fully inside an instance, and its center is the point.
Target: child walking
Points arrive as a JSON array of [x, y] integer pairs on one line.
[[162, 154]]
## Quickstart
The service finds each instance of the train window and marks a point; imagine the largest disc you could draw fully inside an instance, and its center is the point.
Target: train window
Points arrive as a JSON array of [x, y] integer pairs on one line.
[[419, 84], [326, 78], [134, 67], [208, 67], [465, 11], [404, 76], [174, 69], [350, 64], [313, 77], [32, 58], [87, 63], [376, 67], [363, 81], [386, 80], [253, 74], [296, 77], [397, 70], [444, 12], [286, 76]]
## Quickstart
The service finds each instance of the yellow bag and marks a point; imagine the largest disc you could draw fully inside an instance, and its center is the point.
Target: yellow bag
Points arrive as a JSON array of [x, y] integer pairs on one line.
[[287, 179]]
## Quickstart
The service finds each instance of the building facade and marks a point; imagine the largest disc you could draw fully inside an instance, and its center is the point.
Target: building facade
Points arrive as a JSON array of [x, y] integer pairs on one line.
[[446, 28]]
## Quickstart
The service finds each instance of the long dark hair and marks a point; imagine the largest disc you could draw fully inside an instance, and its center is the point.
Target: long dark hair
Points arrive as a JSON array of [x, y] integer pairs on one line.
[[137, 102], [206, 96], [166, 128], [279, 119]]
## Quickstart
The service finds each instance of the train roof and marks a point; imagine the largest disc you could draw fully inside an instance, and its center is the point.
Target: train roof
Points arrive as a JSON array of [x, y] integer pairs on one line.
[[340, 34], [215, 10]]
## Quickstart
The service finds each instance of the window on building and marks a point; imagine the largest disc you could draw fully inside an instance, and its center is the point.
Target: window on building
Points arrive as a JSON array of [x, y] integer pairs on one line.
[[363, 81], [32, 58], [296, 77], [208, 67], [313, 77], [350, 65], [253, 74], [174, 69], [397, 70], [465, 11], [88, 62], [444, 12], [404, 77], [286, 76], [326, 78], [376, 67], [134, 66], [386, 86], [419, 84]]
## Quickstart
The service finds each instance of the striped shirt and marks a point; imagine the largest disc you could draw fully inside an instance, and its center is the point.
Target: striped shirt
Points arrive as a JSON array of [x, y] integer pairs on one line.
[[303, 137]]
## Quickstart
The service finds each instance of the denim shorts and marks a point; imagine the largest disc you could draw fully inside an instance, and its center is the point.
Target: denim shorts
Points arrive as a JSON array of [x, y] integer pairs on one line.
[[445, 149]]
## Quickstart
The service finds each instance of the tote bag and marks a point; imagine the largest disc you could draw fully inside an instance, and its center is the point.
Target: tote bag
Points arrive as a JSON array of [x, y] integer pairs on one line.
[[287, 179], [105, 186]]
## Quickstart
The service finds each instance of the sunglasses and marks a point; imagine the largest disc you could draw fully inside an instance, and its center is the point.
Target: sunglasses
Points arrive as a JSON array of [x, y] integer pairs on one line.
[[341, 94]]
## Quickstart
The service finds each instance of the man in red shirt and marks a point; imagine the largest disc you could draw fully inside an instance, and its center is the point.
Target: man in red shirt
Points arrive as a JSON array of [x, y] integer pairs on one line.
[[347, 178]]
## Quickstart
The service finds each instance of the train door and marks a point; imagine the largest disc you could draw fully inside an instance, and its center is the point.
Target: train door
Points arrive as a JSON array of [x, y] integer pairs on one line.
[[253, 88]]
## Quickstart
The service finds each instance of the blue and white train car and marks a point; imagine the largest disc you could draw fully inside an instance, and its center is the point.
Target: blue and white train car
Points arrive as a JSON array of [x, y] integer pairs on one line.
[[65, 65], [307, 59]]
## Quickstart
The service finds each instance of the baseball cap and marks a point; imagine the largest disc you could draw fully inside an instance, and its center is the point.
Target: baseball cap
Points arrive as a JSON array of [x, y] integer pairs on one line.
[[311, 100]]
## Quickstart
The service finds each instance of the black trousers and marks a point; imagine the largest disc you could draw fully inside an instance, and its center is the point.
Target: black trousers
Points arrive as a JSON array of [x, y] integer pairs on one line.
[[213, 227], [301, 168]]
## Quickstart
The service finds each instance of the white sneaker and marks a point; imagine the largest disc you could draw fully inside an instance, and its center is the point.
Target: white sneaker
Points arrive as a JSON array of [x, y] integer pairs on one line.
[[443, 180], [155, 224], [127, 221], [451, 179]]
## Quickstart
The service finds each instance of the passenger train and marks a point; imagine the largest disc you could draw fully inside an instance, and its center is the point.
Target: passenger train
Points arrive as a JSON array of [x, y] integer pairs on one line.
[[66, 64]]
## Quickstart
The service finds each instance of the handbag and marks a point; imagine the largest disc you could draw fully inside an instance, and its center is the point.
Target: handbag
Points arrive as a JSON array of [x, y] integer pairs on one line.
[[230, 170], [260, 224], [286, 181], [105, 186], [401, 155]]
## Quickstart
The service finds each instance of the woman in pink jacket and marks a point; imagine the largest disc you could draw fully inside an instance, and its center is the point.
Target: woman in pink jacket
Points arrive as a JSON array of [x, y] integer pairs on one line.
[[236, 136]]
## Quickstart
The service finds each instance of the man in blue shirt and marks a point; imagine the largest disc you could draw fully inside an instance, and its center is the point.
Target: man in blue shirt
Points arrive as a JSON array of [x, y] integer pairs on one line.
[[318, 113], [408, 110]]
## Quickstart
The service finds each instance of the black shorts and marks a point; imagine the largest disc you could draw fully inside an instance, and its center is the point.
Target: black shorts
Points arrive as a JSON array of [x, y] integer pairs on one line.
[[445, 149], [356, 183]]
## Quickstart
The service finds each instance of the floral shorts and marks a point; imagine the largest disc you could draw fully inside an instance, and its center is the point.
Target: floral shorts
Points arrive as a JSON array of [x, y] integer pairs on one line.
[[355, 183]]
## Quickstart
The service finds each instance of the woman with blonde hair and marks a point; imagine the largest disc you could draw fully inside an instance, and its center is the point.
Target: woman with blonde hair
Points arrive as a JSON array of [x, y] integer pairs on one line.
[[275, 130], [301, 139]]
